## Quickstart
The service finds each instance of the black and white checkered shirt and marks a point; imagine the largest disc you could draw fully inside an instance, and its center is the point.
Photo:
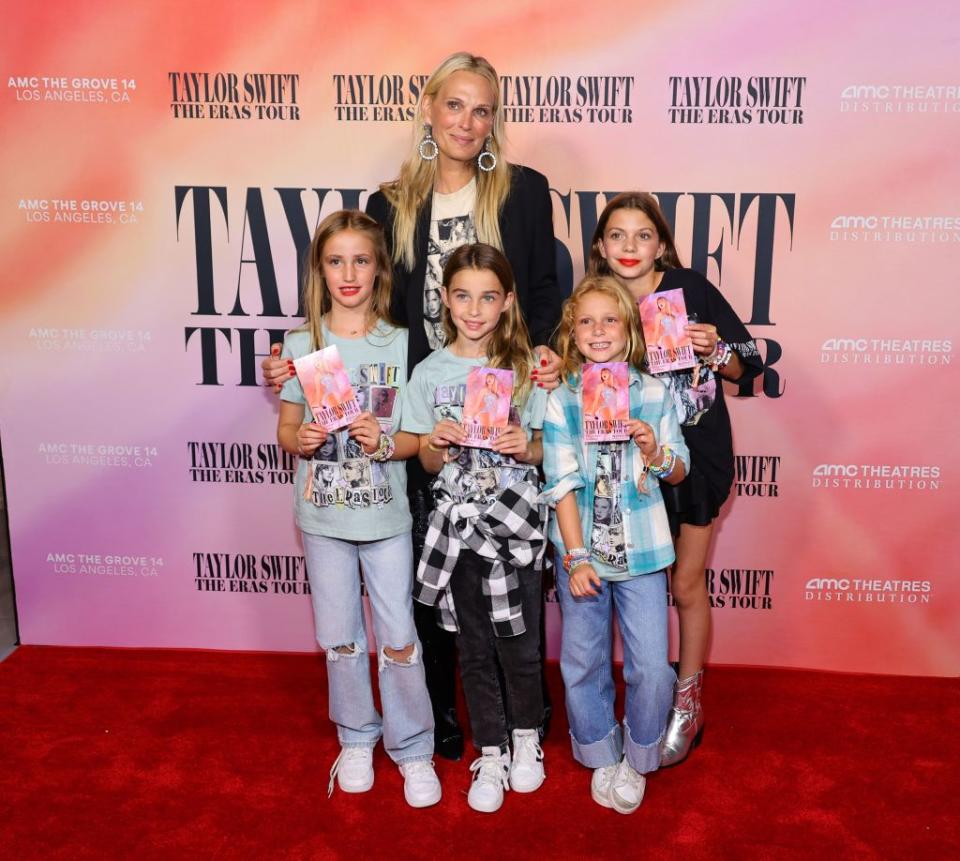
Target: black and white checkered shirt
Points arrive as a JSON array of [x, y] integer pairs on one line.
[[510, 532]]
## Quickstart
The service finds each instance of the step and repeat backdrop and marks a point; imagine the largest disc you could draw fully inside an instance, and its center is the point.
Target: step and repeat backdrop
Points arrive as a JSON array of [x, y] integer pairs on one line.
[[165, 164]]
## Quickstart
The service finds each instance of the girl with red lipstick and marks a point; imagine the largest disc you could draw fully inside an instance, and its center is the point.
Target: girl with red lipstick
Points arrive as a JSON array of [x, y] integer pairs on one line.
[[633, 242]]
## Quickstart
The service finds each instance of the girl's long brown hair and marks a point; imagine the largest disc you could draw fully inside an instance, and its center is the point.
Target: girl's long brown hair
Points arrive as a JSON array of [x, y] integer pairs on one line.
[[647, 204], [571, 359], [316, 296], [509, 345]]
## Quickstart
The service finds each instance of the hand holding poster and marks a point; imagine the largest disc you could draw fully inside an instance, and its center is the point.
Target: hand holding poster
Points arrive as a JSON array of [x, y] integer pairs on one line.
[[664, 319], [327, 388], [606, 401], [486, 408]]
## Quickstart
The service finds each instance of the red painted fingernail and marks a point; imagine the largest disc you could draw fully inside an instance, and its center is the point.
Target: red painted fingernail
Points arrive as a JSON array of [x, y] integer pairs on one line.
[[275, 350], [543, 363], [540, 384], [293, 373]]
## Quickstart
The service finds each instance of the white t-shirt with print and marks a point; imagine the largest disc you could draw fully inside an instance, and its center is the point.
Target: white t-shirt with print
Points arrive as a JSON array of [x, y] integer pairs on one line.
[[451, 225]]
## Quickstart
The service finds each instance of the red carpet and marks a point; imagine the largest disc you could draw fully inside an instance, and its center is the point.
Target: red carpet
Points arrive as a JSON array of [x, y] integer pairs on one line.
[[163, 754]]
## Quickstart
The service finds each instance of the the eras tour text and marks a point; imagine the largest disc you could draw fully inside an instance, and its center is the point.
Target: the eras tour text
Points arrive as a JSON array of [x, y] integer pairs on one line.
[[754, 223]]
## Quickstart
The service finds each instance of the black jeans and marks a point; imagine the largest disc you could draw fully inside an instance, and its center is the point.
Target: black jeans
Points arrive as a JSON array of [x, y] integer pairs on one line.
[[438, 646], [480, 650]]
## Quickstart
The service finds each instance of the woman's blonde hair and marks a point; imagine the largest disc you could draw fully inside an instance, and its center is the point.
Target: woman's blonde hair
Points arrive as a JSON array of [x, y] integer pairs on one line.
[[509, 345], [408, 193], [316, 294], [571, 359]]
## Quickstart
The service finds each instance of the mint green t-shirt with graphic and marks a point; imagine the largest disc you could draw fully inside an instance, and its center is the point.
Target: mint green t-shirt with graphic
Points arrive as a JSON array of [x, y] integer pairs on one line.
[[352, 497], [437, 391]]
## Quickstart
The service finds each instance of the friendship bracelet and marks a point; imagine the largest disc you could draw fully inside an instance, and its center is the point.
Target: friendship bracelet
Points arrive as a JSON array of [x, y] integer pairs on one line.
[[386, 446], [666, 465], [720, 357], [575, 557]]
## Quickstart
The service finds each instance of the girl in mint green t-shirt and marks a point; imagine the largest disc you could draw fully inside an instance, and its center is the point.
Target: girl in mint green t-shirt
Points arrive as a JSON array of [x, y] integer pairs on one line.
[[482, 560], [352, 509]]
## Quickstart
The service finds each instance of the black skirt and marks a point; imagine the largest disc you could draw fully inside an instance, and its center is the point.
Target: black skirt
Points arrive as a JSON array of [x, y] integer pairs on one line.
[[692, 501]]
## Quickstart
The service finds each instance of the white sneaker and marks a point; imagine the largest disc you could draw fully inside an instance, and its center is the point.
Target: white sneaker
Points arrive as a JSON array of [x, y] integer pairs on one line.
[[600, 784], [626, 789], [490, 779], [421, 788], [353, 770], [526, 769]]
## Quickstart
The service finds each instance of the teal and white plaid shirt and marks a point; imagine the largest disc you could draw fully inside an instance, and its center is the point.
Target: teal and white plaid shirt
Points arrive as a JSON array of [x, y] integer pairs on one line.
[[570, 466]]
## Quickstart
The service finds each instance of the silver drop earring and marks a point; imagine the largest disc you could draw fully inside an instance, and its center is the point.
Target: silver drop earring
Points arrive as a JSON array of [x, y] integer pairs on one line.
[[428, 146], [485, 153]]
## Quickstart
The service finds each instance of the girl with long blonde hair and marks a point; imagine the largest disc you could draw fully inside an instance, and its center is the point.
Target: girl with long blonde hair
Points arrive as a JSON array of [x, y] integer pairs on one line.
[[352, 508], [612, 533], [634, 244]]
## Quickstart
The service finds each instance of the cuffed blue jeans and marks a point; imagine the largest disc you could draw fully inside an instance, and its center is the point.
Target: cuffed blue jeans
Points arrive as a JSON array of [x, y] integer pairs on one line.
[[640, 604]]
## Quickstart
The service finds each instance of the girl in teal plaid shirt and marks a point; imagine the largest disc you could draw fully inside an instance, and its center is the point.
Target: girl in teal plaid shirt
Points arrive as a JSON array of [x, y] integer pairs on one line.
[[612, 532]]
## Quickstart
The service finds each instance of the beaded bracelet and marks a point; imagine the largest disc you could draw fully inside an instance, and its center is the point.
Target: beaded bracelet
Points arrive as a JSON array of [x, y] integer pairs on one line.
[[386, 446], [720, 357], [666, 465], [577, 556]]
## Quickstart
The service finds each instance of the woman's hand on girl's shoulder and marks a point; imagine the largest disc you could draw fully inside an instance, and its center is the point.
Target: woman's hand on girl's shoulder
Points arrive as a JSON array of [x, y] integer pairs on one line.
[[277, 371], [546, 369]]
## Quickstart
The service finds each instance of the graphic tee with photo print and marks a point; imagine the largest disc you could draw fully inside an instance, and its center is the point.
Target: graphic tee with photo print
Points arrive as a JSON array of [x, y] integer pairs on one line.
[[607, 540], [340, 491], [451, 225], [437, 391]]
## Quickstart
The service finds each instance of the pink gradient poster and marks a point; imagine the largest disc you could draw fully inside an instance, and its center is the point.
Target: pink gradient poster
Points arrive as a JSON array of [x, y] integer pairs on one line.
[[166, 164], [486, 407]]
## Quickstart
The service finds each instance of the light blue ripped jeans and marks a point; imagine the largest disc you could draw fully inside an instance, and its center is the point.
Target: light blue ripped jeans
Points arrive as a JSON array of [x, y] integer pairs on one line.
[[586, 665], [333, 568]]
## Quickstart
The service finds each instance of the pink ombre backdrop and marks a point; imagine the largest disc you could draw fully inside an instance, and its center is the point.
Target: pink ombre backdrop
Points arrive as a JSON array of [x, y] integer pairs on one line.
[[99, 390]]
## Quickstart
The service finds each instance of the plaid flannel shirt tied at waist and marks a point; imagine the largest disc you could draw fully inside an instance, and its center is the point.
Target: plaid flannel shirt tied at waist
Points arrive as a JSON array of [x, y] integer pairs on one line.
[[510, 532]]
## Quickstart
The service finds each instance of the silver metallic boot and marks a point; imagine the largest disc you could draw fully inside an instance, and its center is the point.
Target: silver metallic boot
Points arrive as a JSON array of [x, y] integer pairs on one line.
[[685, 724]]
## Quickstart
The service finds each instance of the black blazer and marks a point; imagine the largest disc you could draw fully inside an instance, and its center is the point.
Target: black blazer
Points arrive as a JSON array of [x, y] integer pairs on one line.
[[526, 227]]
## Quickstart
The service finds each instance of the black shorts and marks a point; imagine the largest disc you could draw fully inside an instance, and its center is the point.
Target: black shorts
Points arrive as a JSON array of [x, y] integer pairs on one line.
[[692, 501]]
